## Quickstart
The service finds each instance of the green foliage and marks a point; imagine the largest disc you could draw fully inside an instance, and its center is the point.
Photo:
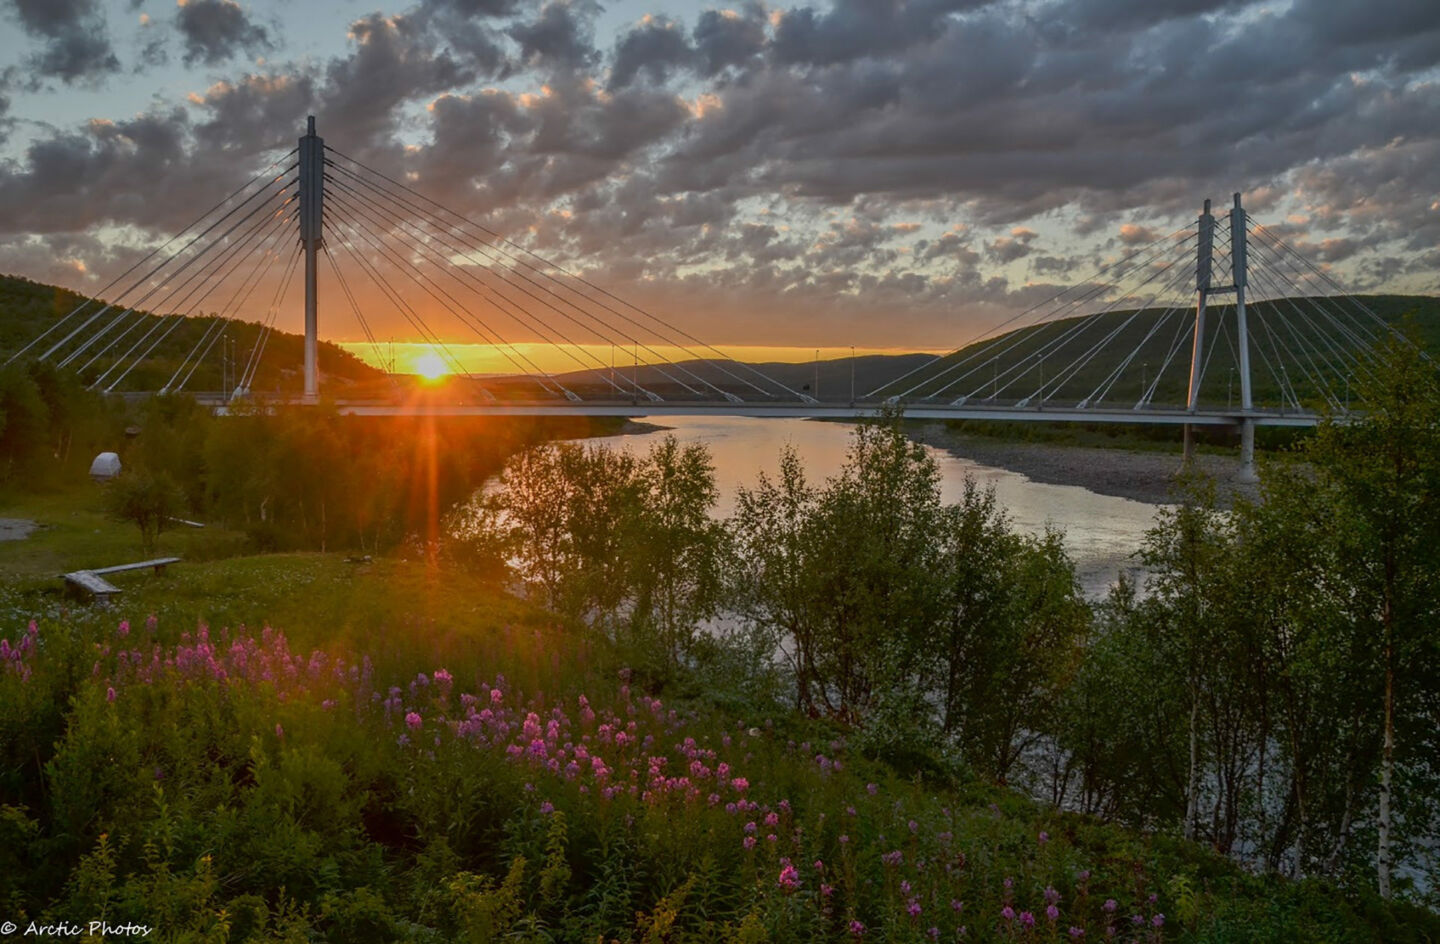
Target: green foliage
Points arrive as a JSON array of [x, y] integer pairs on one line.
[[624, 542], [1275, 688], [147, 499]]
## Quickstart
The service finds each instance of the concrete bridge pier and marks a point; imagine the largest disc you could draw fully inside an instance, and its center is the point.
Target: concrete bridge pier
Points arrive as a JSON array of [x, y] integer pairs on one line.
[[1247, 471]]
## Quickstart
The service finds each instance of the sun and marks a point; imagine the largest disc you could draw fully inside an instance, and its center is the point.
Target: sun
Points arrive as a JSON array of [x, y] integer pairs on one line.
[[431, 366]]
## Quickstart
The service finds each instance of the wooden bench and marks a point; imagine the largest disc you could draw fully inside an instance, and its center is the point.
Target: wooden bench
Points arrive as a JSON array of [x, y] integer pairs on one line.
[[159, 563], [100, 589]]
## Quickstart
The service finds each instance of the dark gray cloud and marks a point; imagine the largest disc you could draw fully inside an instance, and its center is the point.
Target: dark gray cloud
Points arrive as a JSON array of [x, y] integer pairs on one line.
[[656, 48], [479, 9], [559, 38], [1015, 246], [725, 38], [838, 158], [75, 47], [216, 30]]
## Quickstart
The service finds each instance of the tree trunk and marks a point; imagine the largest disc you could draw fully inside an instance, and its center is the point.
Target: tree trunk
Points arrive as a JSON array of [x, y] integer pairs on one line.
[[1387, 764], [1192, 799]]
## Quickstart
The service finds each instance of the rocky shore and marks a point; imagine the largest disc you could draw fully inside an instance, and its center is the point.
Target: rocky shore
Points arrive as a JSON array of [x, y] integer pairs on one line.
[[1147, 476]]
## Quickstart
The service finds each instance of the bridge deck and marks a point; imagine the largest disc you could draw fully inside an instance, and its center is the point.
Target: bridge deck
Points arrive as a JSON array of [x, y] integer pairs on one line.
[[823, 411]]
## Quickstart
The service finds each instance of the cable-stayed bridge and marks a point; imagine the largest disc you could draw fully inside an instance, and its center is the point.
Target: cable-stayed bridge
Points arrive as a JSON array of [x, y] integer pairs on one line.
[[1220, 324]]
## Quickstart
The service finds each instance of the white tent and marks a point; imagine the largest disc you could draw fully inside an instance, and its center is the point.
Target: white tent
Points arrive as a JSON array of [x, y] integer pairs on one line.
[[105, 467]]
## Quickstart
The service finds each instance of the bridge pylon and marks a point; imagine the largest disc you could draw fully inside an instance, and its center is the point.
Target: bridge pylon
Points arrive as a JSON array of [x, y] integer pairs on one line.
[[1204, 290], [312, 234]]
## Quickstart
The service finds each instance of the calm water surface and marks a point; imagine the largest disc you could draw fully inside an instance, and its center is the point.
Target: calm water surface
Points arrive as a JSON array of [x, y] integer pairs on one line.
[[1101, 532]]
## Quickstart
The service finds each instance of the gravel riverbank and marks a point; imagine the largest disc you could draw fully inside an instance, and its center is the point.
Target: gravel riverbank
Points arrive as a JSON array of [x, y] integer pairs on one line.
[[1125, 473]]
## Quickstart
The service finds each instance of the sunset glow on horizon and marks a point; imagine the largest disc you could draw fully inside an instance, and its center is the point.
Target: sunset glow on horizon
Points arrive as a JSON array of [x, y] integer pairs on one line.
[[486, 359]]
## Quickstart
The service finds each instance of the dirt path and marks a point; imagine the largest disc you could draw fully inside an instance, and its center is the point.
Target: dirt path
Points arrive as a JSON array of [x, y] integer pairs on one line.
[[15, 529]]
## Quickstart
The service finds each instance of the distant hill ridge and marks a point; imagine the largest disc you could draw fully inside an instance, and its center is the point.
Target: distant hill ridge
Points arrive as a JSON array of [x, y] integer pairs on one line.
[[28, 308]]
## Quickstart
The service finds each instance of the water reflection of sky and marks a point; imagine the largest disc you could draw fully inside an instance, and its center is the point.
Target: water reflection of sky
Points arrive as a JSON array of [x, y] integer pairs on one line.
[[1101, 532]]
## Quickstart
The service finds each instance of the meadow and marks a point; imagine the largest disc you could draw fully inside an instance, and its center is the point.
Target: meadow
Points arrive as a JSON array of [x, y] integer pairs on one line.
[[291, 747]]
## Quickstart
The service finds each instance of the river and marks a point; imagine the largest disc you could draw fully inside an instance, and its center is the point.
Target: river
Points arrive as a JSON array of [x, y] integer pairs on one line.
[[1101, 532]]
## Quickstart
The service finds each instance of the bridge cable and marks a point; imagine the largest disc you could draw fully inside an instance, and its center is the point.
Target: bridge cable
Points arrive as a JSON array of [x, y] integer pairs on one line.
[[989, 332], [632, 339], [1076, 327], [1020, 336], [237, 300], [144, 259], [234, 253], [145, 278], [141, 317], [1078, 364], [354, 304], [257, 350], [480, 327], [215, 265], [399, 221], [498, 240], [1358, 333], [393, 296], [231, 253], [466, 318], [412, 315], [1337, 354], [1341, 295], [85, 345]]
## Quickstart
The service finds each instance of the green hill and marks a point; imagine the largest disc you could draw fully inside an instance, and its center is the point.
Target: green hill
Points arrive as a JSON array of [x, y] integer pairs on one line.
[[1294, 341], [27, 309]]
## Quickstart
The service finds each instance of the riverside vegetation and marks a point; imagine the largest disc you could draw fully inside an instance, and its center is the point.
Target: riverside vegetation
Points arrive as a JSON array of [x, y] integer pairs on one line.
[[401, 751]]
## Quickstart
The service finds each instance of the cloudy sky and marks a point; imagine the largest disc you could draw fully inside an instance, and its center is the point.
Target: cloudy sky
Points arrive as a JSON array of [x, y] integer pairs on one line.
[[884, 173]]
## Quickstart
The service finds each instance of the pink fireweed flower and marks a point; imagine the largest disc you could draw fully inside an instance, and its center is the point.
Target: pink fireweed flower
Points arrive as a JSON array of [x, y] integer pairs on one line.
[[279, 731], [872, 789], [740, 784], [749, 842], [123, 629], [110, 693], [1076, 933], [547, 807], [413, 721], [1043, 838], [1052, 914], [857, 929], [789, 879], [894, 857], [1027, 919], [1007, 913], [912, 908]]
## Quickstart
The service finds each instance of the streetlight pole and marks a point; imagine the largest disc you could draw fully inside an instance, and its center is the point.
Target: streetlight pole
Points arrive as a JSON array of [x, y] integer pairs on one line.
[[852, 379]]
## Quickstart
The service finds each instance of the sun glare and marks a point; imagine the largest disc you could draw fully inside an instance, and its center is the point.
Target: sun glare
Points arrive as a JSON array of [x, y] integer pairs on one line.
[[431, 366]]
